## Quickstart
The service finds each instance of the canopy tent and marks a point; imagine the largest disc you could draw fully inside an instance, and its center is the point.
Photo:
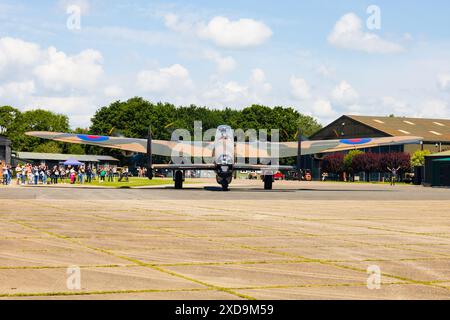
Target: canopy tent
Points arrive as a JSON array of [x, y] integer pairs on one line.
[[72, 162]]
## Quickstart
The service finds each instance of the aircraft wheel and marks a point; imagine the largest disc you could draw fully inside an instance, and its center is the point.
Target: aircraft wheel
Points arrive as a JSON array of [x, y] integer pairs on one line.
[[268, 183], [225, 186], [178, 180]]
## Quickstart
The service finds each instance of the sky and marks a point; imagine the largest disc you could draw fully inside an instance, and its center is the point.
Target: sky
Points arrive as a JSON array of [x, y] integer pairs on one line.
[[324, 58]]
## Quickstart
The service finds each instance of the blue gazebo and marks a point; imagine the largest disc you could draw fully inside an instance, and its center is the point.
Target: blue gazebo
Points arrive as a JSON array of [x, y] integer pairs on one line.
[[73, 162]]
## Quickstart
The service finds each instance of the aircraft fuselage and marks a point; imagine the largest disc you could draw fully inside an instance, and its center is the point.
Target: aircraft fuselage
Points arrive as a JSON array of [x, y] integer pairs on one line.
[[224, 155]]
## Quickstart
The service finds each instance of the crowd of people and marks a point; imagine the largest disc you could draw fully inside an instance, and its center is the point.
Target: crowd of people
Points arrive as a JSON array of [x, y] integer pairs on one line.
[[29, 174]]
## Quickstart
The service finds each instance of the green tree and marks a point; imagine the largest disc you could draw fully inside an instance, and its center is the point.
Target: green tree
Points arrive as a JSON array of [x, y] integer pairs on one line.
[[8, 117], [348, 162], [348, 159], [309, 125], [17, 123], [132, 118], [37, 120], [49, 147], [418, 158]]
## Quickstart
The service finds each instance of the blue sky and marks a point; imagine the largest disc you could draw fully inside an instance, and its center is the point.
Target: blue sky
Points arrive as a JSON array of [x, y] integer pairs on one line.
[[320, 57]]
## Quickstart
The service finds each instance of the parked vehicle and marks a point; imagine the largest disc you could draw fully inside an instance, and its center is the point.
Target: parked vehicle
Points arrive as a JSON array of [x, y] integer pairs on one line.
[[278, 176], [308, 175]]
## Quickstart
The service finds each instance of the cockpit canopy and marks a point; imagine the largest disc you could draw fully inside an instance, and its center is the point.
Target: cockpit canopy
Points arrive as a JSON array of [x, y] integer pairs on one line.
[[225, 132]]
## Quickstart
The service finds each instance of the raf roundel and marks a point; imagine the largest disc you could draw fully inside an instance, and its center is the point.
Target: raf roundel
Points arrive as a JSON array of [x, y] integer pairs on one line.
[[356, 141], [90, 138]]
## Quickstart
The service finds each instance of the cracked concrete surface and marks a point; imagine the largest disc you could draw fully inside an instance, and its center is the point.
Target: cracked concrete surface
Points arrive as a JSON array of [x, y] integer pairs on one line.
[[301, 241]]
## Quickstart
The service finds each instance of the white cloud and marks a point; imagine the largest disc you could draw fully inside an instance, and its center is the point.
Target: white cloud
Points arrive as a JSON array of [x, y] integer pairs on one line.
[[79, 108], [60, 71], [174, 77], [325, 71], [323, 108], [17, 53], [50, 68], [224, 94], [67, 105], [300, 88], [173, 22], [224, 64], [232, 93], [259, 87], [444, 81], [235, 34], [258, 75], [395, 105], [50, 79], [435, 109], [344, 94], [114, 92], [17, 90], [222, 31], [348, 34], [235, 89], [354, 109]]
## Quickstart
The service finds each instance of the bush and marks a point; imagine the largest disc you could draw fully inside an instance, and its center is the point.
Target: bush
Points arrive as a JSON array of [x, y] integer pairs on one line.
[[333, 163], [418, 158], [396, 160], [366, 162]]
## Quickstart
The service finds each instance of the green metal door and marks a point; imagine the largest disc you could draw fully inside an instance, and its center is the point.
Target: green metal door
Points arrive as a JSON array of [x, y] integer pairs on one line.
[[441, 172]]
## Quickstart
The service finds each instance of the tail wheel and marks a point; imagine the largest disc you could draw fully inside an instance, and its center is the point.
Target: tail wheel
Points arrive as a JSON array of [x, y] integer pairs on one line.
[[178, 180], [268, 182]]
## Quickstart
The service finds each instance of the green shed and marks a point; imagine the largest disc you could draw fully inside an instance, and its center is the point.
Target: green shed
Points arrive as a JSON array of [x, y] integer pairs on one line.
[[437, 169]]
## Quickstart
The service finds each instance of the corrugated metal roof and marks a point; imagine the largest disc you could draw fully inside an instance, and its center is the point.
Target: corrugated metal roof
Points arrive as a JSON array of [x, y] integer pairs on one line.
[[62, 157], [429, 129]]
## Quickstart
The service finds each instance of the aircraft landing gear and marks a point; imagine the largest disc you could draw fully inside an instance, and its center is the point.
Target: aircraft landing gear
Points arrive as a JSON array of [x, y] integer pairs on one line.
[[268, 182], [225, 186], [224, 180], [178, 180]]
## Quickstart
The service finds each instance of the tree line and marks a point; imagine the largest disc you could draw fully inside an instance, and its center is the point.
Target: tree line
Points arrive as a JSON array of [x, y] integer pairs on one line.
[[133, 117], [16, 123]]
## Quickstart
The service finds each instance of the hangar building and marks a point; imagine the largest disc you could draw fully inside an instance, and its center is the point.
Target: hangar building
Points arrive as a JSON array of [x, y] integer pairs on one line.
[[51, 159], [5, 150], [436, 134]]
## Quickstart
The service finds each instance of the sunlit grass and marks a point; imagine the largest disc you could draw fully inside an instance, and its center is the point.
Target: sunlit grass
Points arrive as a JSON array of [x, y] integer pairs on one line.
[[369, 182], [132, 182]]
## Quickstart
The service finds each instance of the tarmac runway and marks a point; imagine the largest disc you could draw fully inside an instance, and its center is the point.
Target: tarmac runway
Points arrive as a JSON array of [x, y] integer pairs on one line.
[[299, 241], [239, 190]]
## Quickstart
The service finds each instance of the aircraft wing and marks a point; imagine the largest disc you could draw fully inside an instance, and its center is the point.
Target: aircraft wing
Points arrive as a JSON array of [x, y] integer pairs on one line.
[[159, 147], [185, 166], [289, 149], [285, 149], [361, 143], [262, 167], [243, 149]]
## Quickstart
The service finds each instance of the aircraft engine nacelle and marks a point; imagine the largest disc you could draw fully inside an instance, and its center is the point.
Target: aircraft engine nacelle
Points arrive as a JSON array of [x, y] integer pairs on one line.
[[127, 154]]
